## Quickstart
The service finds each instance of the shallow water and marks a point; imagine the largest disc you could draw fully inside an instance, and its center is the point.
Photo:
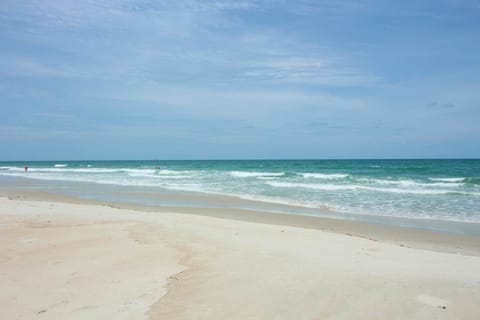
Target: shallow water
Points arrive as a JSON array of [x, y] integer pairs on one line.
[[423, 190]]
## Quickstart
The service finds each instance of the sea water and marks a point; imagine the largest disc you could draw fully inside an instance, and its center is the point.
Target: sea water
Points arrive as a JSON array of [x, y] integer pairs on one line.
[[410, 190]]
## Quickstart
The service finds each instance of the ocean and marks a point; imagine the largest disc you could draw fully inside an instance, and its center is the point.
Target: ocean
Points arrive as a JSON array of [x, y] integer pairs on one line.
[[427, 194]]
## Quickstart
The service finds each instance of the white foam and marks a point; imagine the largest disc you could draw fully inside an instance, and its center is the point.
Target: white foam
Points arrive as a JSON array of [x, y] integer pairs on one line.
[[333, 187], [412, 183], [247, 174], [13, 169], [407, 191], [92, 174], [74, 170], [60, 170], [156, 176], [125, 180], [137, 171], [60, 165], [447, 179], [287, 202], [327, 176], [311, 186], [164, 171], [177, 172], [142, 175], [444, 184]]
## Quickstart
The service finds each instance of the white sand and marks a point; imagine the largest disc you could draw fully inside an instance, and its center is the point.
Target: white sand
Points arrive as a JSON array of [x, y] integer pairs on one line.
[[79, 261]]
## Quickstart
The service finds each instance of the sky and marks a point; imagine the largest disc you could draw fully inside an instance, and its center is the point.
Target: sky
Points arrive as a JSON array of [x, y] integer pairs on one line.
[[218, 79]]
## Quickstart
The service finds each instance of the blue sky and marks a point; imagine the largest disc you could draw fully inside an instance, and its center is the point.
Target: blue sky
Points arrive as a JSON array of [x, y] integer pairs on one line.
[[122, 79]]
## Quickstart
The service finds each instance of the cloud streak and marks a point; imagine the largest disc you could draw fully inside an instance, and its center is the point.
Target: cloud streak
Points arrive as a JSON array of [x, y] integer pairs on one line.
[[351, 72], [172, 48]]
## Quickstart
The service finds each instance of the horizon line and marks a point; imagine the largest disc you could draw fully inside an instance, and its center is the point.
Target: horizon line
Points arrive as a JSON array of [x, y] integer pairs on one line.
[[241, 159]]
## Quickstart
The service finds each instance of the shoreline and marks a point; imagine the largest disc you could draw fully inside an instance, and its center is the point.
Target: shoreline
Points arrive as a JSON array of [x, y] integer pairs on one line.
[[393, 193], [64, 257], [402, 236]]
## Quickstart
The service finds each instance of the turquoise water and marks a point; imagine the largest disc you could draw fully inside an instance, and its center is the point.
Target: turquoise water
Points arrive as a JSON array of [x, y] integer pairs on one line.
[[442, 190]]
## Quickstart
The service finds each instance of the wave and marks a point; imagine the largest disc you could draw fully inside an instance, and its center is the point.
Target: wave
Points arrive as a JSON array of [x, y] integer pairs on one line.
[[325, 175], [13, 169], [177, 172], [60, 170], [311, 186], [411, 191], [74, 170], [119, 180], [247, 174], [165, 171], [280, 201], [448, 179], [142, 175], [336, 187], [60, 165], [412, 183], [157, 176], [443, 184], [69, 173], [136, 171], [473, 181]]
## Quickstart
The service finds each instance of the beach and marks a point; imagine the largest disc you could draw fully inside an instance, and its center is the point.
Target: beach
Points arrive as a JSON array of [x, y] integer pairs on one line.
[[239, 160], [79, 259]]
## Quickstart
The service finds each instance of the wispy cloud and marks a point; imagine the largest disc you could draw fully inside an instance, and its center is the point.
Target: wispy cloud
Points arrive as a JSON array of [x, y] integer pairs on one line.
[[304, 70], [249, 54], [32, 67]]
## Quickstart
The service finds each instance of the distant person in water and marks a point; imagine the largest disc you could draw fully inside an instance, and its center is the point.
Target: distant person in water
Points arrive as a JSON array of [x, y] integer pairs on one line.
[[157, 167], [26, 168]]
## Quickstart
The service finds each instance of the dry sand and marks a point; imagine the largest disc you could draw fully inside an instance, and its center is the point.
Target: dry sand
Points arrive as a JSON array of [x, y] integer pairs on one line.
[[88, 261]]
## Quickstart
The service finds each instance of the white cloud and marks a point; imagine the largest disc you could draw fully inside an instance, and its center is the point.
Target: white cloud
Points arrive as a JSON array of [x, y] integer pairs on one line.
[[171, 40], [32, 67]]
